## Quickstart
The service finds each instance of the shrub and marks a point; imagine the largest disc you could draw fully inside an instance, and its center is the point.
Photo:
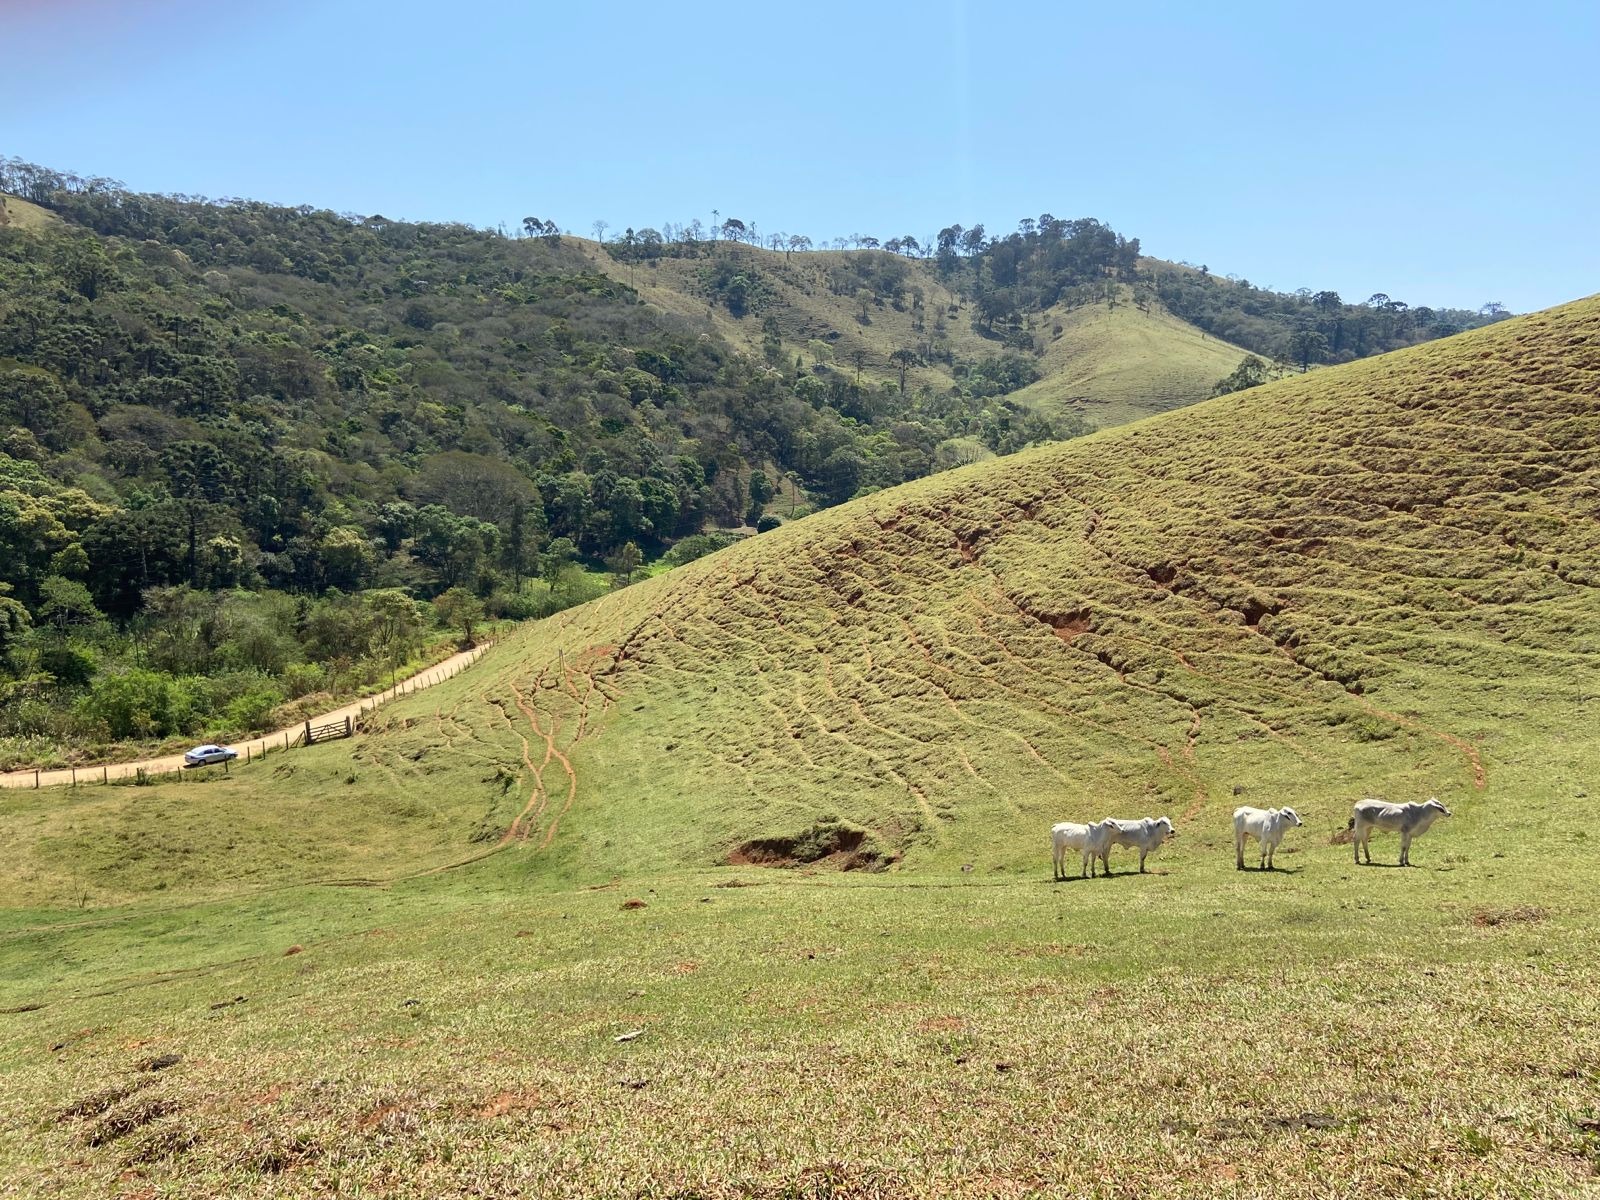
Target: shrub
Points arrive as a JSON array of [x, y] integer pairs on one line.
[[698, 546], [767, 523], [69, 663], [135, 703], [515, 606], [301, 679], [253, 709]]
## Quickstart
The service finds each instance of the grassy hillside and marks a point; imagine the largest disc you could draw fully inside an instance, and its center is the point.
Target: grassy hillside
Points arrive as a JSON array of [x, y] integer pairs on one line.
[[1377, 579], [524, 934], [20, 214], [1107, 364], [1115, 365]]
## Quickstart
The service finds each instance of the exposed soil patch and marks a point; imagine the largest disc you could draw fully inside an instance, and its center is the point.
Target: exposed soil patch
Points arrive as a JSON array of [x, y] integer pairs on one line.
[[1488, 918], [502, 1103], [828, 842], [275, 1155], [1254, 608]]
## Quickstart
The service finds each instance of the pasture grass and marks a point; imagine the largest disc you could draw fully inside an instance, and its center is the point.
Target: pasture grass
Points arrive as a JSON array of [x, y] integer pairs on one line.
[[400, 965], [24, 214], [1116, 365]]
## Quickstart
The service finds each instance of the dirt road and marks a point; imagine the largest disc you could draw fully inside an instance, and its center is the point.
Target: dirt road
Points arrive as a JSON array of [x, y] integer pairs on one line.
[[255, 747]]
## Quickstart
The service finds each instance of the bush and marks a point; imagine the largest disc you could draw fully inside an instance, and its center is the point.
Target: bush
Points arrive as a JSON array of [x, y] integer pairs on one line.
[[252, 710], [698, 545], [28, 717], [301, 679], [68, 663], [767, 523], [515, 606], [140, 703]]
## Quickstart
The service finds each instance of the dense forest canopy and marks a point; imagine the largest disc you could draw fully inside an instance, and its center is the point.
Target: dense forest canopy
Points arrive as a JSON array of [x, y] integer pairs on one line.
[[249, 451]]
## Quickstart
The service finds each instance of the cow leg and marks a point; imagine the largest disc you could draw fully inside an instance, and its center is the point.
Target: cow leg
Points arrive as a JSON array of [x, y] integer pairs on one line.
[[1405, 849], [1238, 851], [1142, 853]]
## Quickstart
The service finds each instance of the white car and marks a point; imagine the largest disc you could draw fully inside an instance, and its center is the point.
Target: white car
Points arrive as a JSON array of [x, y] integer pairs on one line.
[[201, 755]]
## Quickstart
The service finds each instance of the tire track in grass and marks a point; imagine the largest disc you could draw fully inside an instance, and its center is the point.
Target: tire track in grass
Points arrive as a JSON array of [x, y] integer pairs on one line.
[[536, 798], [552, 751]]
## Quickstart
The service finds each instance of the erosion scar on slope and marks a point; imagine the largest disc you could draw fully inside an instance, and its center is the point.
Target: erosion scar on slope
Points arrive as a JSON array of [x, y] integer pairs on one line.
[[552, 751]]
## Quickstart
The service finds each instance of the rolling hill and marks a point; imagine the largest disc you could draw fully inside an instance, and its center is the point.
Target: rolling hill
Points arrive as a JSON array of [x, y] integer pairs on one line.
[[1380, 578], [20, 214], [531, 931], [1108, 364]]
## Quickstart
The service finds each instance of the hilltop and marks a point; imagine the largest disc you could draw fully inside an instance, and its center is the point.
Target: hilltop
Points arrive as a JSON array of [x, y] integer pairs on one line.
[[733, 883], [1117, 358]]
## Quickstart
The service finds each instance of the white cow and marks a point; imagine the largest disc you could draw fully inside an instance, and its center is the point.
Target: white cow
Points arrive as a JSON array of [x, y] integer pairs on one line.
[[1091, 842], [1144, 836], [1411, 820], [1267, 826]]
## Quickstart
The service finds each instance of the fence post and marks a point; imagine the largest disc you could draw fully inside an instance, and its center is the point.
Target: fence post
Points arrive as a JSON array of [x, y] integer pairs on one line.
[[285, 739], [347, 730], [36, 781], [105, 776], [74, 776], [247, 752], [308, 733]]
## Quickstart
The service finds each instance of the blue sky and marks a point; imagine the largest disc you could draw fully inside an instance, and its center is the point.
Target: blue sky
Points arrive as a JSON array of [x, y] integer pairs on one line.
[[1444, 154]]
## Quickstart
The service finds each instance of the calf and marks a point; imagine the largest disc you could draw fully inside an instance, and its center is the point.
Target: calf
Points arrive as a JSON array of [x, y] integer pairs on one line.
[[1267, 826], [1091, 841], [1143, 836], [1411, 820]]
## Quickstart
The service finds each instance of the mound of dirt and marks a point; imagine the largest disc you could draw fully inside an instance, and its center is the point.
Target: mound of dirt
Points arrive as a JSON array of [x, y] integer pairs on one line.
[[830, 842]]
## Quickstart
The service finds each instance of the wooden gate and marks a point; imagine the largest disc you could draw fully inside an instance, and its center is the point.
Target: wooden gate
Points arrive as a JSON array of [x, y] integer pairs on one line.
[[331, 732]]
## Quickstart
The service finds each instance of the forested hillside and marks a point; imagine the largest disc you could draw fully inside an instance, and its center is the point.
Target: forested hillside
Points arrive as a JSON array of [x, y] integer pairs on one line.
[[250, 453]]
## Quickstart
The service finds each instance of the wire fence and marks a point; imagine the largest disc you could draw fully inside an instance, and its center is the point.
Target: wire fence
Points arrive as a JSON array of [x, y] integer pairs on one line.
[[348, 720]]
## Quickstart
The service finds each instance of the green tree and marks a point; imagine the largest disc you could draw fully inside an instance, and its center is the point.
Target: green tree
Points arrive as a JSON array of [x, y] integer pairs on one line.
[[14, 620], [32, 399], [1250, 372], [459, 609], [1307, 345], [904, 360], [560, 554], [346, 557], [65, 604], [396, 621], [625, 563]]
